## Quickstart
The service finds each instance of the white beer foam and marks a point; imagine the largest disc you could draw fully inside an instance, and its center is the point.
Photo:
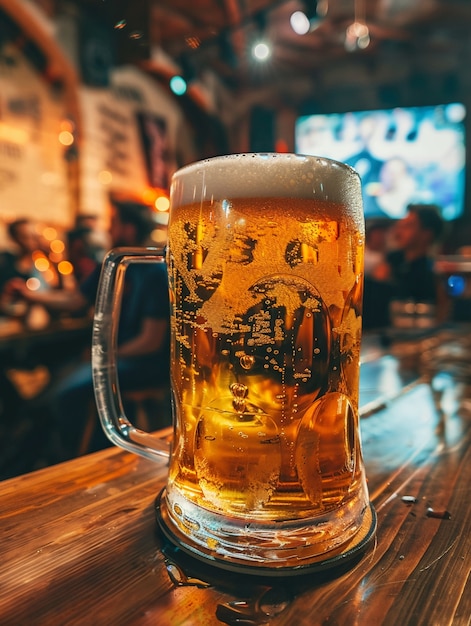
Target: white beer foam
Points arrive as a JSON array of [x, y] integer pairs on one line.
[[266, 175]]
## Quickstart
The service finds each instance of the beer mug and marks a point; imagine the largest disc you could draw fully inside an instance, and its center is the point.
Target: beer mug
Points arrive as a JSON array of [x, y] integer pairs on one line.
[[265, 262]]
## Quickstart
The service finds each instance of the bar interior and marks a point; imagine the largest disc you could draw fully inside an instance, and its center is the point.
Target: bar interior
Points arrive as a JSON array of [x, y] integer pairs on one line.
[[117, 390]]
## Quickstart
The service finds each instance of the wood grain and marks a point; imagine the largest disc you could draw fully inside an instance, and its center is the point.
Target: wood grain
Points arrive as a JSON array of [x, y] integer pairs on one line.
[[79, 544]]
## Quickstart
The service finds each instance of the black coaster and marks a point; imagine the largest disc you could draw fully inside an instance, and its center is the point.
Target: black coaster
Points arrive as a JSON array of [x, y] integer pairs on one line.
[[348, 555]]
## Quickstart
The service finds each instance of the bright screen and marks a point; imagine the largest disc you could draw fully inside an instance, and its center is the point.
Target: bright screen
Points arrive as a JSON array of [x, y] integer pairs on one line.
[[403, 155]]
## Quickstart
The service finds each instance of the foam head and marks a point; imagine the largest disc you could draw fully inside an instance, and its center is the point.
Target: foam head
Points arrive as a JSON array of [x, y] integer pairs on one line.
[[266, 175]]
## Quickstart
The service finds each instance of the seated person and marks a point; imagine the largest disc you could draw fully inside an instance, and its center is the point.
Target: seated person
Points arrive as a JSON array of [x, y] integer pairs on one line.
[[411, 272], [143, 341], [20, 263]]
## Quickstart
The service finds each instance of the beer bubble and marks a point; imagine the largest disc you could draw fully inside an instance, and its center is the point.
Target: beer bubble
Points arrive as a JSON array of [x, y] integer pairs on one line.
[[317, 350], [208, 438], [243, 435], [225, 352], [239, 405], [266, 366], [239, 390], [178, 510], [247, 361]]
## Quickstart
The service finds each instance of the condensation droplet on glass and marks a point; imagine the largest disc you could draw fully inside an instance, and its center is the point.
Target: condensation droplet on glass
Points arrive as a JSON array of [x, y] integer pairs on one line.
[[247, 361], [177, 509], [176, 574], [239, 390]]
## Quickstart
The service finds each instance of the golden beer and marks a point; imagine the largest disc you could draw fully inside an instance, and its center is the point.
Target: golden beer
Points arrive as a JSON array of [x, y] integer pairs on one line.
[[265, 262]]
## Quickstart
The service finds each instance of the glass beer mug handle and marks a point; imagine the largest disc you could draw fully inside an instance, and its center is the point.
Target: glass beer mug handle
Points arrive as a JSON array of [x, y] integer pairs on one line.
[[104, 354]]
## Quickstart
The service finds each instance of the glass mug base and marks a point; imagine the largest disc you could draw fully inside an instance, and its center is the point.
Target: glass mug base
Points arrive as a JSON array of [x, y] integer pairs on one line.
[[271, 557]]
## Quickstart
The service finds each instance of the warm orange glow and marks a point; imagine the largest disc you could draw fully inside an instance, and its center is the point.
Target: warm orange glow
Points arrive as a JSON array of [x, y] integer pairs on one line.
[[57, 246], [162, 203], [41, 264], [49, 276], [15, 135], [55, 257], [49, 233], [66, 138], [65, 268], [105, 177], [159, 236], [67, 126], [193, 42], [148, 196], [33, 284]]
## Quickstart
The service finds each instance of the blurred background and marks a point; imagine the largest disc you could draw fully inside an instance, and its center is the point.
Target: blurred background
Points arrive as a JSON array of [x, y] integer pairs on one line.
[[105, 99]]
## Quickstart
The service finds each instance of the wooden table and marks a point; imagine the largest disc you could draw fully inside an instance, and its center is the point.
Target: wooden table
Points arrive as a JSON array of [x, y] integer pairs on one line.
[[79, 544]]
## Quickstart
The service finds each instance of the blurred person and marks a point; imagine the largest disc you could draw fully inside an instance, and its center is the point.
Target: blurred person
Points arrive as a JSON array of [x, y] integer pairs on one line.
[[416, 237], [19, 263], [407, 275], [411, 264], [86, 245], [143, 337], [83, 252]]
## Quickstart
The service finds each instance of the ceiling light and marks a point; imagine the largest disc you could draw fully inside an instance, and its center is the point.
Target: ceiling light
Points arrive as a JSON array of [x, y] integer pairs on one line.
[[357, 36], [261, 51], [300, 23], [178, 85]]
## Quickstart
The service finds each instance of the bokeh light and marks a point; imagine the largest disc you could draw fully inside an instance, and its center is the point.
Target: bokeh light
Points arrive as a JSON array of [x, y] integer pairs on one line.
[[57, 246], [33, 284], [65, 268]]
